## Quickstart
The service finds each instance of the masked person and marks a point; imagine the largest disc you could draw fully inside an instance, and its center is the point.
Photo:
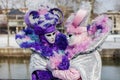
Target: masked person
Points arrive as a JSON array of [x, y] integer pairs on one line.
[[45, 41], [84, 42]]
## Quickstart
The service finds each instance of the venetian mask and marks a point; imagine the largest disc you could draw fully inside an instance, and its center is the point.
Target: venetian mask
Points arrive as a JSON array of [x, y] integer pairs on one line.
[[50, 37], [71, 39]]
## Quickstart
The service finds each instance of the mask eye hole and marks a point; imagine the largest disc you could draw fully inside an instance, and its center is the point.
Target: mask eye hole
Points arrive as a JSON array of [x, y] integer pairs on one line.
[[70, 35], [48, 35], [53, 33]]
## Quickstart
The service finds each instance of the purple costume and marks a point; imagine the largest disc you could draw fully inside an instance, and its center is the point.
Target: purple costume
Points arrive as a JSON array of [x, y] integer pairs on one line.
[[39, 23]]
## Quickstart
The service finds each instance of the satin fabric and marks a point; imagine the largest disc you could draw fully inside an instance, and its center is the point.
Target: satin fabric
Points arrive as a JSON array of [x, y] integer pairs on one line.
[[39, 63], [89, 66]]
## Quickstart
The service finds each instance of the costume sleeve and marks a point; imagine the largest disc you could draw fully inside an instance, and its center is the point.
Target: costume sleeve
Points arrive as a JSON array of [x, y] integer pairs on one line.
[[88, 65], [59, 66], [70, 74], [37, 63], [38, 68]]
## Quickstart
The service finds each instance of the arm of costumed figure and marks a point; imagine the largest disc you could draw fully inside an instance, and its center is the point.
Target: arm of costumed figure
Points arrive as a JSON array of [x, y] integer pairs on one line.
[[72, 73], [59, 63], [61, 70]]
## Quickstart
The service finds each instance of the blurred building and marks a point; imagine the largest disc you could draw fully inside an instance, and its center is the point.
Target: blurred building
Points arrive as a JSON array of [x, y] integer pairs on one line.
[[115, 17], [15, 20], [11, 20], [3, 24]]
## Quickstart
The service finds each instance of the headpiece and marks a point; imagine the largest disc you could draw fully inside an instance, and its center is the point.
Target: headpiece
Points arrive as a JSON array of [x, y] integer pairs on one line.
[[44, 20]]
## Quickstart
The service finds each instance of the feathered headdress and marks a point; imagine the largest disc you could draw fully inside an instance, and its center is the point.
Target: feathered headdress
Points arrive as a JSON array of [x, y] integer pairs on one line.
[[44, 20]]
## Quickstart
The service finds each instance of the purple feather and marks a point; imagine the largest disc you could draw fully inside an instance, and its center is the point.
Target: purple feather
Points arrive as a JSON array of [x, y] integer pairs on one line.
[[18, 36], [46, 51], [28, 31], [25, 45], [61, 40], [36, 46]]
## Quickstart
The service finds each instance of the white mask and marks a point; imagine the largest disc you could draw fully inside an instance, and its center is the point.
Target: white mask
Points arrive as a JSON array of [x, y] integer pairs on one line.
[[50, 37], [70, 38]]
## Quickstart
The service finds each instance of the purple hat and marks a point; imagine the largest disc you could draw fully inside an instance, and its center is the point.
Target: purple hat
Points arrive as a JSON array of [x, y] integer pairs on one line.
[[44, 21]]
